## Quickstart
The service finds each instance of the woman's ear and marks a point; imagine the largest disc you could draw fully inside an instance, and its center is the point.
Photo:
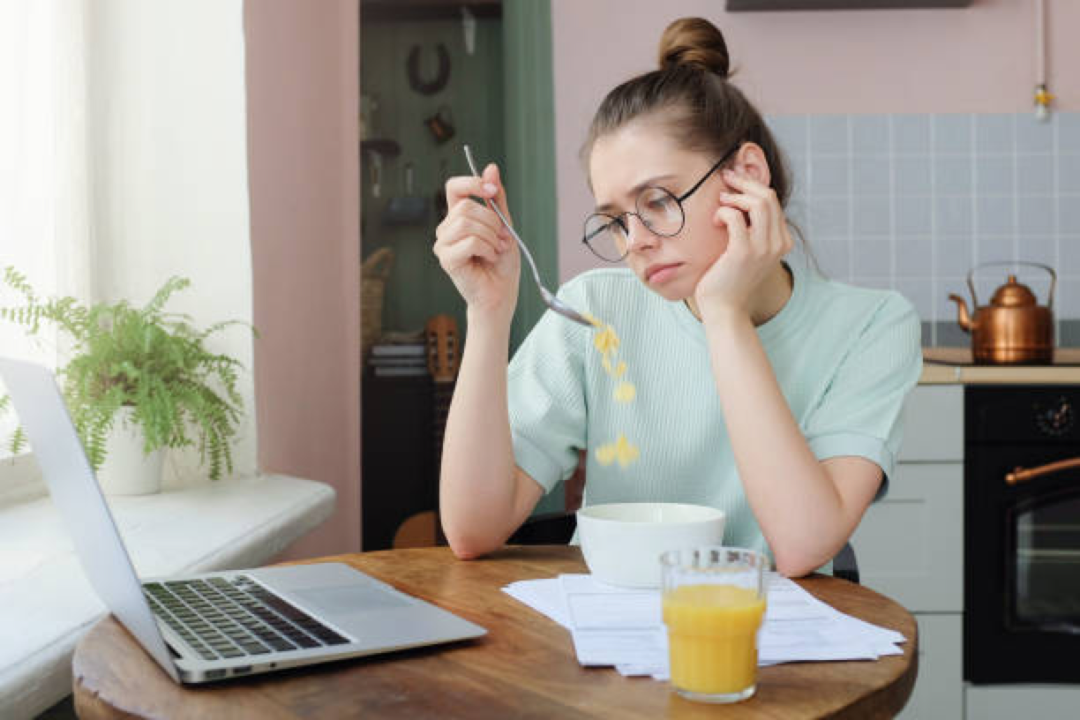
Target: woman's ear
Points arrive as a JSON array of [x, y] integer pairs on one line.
[[750, 161]]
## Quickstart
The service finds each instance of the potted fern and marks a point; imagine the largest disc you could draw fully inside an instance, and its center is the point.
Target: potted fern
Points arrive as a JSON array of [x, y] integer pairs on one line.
[[139, 380]]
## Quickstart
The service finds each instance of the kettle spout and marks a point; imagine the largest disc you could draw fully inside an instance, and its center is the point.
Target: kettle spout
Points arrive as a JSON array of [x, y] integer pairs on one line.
[[962, 316]]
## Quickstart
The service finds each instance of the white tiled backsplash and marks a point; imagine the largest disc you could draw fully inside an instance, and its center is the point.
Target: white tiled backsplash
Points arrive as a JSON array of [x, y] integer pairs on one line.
[[913, 202]]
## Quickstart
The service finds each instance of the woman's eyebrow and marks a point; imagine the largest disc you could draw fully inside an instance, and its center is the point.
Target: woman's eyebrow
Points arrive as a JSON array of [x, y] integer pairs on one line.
[[633, 192]]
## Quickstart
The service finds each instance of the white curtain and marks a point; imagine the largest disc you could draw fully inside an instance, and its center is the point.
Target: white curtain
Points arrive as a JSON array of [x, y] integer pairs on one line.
[[45, 196]]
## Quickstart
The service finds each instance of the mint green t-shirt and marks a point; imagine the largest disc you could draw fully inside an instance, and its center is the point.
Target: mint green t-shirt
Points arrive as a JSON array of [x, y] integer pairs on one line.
[[845, 358]]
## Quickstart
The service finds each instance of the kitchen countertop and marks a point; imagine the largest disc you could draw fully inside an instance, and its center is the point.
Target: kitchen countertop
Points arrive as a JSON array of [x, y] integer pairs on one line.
[[953, 365]]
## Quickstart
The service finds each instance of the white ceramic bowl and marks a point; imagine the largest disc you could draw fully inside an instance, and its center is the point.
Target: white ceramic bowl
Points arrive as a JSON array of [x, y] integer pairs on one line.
[[622, 542]]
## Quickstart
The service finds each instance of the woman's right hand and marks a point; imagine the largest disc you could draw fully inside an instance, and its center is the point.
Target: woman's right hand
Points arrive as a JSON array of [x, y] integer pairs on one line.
[[474, 248]]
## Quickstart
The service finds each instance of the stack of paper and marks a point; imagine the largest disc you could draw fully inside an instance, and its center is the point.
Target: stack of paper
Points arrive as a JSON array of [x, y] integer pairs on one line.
[[624, 628]]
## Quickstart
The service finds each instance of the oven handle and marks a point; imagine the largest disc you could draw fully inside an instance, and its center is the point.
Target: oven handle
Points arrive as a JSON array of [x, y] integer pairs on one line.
[[1020, 475]]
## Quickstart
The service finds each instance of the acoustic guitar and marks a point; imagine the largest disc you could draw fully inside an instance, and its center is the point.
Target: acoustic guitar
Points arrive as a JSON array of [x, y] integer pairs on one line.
[[443, 360]]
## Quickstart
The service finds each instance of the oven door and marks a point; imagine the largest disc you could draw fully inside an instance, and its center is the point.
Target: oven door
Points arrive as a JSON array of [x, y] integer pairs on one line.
[[1022, 566]]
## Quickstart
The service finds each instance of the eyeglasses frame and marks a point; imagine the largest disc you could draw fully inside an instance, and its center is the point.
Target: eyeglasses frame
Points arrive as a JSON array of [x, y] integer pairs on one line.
[[679, 199]]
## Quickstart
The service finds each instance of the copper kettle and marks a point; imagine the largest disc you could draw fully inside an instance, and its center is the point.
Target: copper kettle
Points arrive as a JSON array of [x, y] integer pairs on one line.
[[1013, 329]]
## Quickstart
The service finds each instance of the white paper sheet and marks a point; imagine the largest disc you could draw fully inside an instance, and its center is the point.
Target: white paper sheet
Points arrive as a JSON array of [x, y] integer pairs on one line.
[[624, 627]]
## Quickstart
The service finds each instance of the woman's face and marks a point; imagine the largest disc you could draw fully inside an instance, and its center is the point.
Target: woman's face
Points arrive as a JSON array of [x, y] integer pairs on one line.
[[642, 153]]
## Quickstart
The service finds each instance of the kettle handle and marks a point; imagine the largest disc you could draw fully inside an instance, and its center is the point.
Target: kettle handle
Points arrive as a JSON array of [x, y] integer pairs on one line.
[[1010, 263]]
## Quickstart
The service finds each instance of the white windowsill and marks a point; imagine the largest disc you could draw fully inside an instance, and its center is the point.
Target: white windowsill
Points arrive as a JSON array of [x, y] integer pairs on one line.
[[48, 603], [20, 480]]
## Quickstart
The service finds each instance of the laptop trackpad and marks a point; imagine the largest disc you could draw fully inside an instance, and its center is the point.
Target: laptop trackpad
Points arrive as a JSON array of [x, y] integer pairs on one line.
[[340, 599]]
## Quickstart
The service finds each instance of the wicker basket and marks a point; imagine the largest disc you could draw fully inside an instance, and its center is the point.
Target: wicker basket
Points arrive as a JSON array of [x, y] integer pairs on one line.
[[374, 273]]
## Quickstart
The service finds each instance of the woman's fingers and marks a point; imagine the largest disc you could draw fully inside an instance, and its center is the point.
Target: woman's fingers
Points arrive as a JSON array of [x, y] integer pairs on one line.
[[745, 184], [468, 211], [462, 228], [465, 251], [735, 221], [753, 197], [760, 202], [492, 177], [486, 187], [463, 187]]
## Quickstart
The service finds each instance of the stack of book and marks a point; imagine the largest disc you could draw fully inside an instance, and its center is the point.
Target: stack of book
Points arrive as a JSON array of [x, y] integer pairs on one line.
[[398, 359]]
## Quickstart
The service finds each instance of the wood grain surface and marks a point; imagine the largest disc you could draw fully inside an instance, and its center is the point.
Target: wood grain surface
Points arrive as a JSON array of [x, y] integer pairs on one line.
[[524, 668]]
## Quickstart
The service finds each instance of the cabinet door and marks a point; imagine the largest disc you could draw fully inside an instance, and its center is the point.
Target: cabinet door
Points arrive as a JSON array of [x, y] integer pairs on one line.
[[910, 545], [939, 687], [1030, 702], [934, 424]]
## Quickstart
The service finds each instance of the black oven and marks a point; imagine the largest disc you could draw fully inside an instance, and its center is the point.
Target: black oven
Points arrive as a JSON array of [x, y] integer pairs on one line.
[[1022, 534]]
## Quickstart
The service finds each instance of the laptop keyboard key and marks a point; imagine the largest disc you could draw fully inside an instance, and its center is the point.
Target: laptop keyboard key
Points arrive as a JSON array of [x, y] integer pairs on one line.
[[219, 617]]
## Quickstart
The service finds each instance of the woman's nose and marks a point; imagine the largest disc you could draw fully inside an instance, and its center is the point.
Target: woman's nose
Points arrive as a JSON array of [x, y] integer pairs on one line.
[[638, 234]]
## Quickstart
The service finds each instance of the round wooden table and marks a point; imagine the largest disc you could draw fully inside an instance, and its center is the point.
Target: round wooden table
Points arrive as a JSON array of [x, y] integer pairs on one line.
[[524, 667]]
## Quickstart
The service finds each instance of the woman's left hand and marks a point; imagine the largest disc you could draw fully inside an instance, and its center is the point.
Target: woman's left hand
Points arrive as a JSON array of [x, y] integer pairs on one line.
[[758, 237]]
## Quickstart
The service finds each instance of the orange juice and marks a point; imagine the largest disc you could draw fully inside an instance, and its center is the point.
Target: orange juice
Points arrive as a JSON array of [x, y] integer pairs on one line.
[[712, 637]]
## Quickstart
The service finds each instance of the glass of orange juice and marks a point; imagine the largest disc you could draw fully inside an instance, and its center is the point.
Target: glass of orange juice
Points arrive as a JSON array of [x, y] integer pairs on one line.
[[713, 603]]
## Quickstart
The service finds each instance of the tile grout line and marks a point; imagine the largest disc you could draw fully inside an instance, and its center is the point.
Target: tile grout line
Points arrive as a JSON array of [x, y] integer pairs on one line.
[[1015, 158], [850, 198], [890, 158], [933, 234], [975, 225]]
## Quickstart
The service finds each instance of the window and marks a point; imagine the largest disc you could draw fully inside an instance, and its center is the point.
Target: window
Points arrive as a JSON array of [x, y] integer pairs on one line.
[[44, 208]]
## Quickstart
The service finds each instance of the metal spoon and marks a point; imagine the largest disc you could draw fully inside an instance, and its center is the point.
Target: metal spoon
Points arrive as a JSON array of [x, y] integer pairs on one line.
[[549, 298]]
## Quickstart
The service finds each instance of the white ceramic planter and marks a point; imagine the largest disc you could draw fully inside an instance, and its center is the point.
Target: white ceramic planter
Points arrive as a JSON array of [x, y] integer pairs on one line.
[[126, 470]]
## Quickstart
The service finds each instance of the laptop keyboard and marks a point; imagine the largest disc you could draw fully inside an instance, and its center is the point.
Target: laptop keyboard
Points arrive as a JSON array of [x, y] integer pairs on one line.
[[235, 617]]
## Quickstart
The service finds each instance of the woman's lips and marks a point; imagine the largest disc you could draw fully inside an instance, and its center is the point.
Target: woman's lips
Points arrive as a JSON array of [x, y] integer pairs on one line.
[[659, 274]]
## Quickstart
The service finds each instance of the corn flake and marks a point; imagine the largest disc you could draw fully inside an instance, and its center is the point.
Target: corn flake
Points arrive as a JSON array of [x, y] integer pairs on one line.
[[625, 392], [606, 342], [625, 453], [605, 454]]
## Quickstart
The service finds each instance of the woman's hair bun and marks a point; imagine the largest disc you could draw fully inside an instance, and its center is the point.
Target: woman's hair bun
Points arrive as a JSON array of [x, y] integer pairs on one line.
[[694, 42]]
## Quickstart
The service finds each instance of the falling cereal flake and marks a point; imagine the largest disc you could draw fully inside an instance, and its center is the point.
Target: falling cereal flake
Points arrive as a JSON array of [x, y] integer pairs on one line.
[[625, 392], [605, 454], [606, 340], [625, 453]]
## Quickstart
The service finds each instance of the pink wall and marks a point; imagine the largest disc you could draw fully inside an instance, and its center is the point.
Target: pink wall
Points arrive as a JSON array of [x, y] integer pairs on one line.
[[303, 140], [976, 59]]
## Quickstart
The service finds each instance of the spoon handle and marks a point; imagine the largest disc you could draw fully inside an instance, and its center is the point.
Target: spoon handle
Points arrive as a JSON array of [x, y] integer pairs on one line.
[[549, 298]]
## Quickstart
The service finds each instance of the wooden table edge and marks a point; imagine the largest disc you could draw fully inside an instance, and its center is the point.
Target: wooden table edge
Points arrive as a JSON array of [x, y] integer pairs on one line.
[[884, 701]]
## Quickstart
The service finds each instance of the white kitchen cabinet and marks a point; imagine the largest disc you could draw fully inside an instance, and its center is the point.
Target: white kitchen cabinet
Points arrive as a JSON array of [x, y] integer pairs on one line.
[[939, 688], [933, 424], [910, 544], [1027, 701]]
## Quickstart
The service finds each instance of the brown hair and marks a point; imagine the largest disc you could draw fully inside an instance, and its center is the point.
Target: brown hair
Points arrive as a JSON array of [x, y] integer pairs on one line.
[[691, 92]]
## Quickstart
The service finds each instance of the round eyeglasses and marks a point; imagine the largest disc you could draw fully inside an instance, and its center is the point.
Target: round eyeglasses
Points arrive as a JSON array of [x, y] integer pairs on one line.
[[658, 209]]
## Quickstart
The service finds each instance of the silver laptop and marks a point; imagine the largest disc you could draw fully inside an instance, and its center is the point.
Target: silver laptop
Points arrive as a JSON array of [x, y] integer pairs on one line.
[[219, 625]]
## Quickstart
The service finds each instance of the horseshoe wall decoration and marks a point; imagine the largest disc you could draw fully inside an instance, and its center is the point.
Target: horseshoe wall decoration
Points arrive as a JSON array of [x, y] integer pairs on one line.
[[428, 87]]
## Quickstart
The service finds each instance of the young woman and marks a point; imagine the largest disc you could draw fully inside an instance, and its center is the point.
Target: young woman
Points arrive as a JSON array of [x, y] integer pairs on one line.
[[762, 388]]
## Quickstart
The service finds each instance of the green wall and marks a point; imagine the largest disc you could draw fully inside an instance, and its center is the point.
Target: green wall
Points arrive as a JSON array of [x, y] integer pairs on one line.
[[501, 99], [417, 287]]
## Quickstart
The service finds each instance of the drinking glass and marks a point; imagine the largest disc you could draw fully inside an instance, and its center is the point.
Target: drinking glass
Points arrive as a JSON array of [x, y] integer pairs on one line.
[[713, 604]]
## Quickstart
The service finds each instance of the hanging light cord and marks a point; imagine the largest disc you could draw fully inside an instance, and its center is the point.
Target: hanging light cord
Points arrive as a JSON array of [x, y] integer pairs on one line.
[[1043, 98]]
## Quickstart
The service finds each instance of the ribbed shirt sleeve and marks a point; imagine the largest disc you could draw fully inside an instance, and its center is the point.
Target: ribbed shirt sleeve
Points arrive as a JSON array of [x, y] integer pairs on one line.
[[860, 412]]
